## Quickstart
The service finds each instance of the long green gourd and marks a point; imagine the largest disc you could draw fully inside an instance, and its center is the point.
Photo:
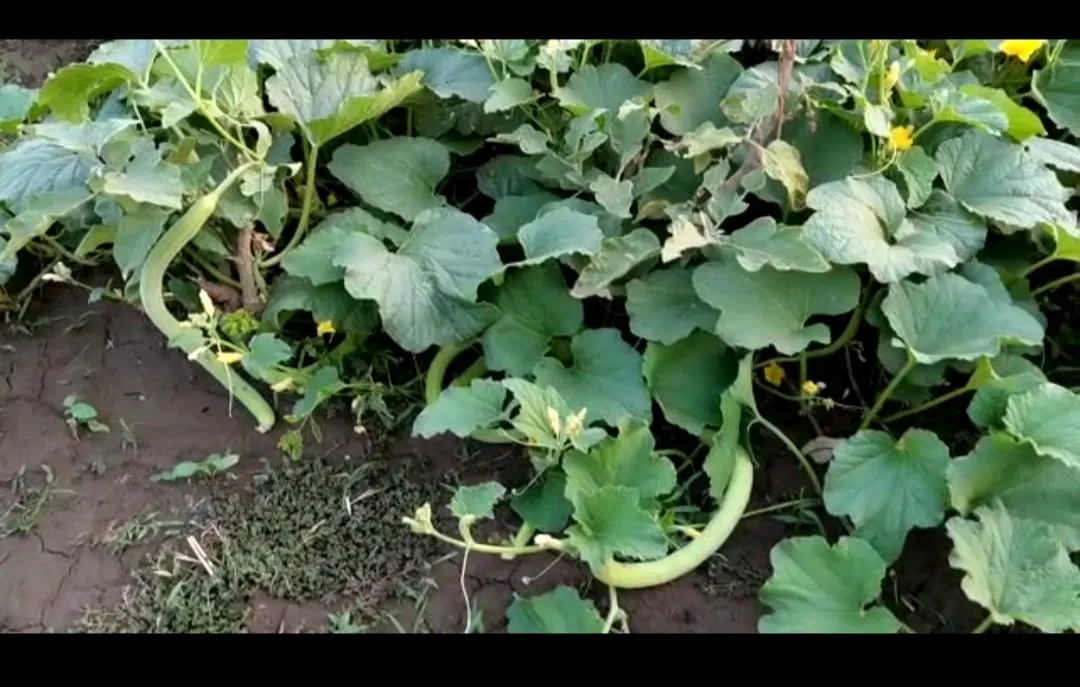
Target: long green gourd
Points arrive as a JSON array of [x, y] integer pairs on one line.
[[151, 292]]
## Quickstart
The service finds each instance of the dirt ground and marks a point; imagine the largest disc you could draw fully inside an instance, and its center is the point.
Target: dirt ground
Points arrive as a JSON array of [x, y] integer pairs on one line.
[[89, 542]]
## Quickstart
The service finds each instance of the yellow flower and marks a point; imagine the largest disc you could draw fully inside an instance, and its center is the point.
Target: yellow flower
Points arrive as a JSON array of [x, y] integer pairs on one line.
[[574, 424], [811, 388], [1021, 48], [229, 357], [901, 137], [325, 327], [774, 374]]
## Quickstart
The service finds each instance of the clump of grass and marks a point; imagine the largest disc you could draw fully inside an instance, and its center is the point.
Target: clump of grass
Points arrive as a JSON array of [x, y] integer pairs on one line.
[[28, 501], [308, 532]]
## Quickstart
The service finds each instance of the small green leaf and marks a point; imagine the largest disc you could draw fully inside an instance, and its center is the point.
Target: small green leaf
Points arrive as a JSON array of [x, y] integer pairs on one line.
[[477, 501], [663, 306], [450, 72], [770, 307], [610, 521], [616, 257], [615, 196], [560, 611], [398, 175], [513, 212], [147, 179], [1048, 418], [688, 379], [1017, 569], [462, 410], [762, 242], [924, 317], [628, 460], [888, 487], [605, 377], [816, 588], [528, 138], [508, 94], [1001, 181], [40, 214], [266, 351], [535, 308], [988, 405], [557, 233], [1030, 486], [324, 384]]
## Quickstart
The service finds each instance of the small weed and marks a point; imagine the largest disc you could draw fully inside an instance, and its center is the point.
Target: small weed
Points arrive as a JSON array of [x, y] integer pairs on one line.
[[28, 504], [81, 414], [208, 467], [118, 538], [341, 623], [128, 437]]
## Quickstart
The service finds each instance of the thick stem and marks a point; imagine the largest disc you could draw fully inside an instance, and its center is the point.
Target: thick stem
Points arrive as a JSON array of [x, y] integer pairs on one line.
[[844, 339], [433, 387], [305, 209], [908, 367], [697, 551], [524, 534]]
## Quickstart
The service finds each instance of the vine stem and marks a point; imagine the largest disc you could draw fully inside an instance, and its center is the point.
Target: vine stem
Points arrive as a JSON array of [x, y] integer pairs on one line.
[[305, 209], [811, 474], [1037, 264], [932, 403], [1060, 281], [613, 609], [844, 339], [908, 366]]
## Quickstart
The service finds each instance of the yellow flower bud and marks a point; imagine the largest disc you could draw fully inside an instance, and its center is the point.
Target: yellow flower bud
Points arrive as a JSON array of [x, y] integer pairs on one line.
[[892, 76], [207, 302], [774, 374], [325, 327], [553, 420], [811, 388]]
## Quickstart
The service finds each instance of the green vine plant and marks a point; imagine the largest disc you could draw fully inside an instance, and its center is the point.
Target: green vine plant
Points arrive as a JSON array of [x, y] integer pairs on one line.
[[603, 239]]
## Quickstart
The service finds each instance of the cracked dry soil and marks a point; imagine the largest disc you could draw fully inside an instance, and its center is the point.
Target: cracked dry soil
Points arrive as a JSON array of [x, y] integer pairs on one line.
[[109, 355]]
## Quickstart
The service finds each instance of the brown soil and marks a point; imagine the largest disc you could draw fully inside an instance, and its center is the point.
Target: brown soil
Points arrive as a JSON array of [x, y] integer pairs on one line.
[[30, 61]]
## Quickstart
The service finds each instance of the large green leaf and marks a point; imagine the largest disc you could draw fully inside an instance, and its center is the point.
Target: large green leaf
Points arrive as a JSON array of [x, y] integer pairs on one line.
[[615, 258], [605, 87], [560, 611], [816, 588], [535, 308], [663, 306], [1017, 569], [329, 302], [770, 307], [40, 214], [513, 212], [919, 172], [888, 487], [610, 521], [1056, 154], [627, 460], [1022, 122], [398, 175], [1058, 88], [605, 377], [692, 96], [477, 501], [988, 405], [330, 95], [864, 221], [136, 234], [137, 54], [1030, 486], [314, 257], [1001, 181], [1048, 418], [462, 410], [948, 317], [450, 72], [533, 419], [688, 379], [426, 290]]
